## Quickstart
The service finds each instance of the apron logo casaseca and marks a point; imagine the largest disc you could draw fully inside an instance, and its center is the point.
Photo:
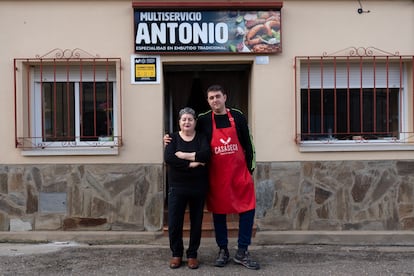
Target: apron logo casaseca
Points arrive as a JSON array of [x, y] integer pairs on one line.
[[226, 148]]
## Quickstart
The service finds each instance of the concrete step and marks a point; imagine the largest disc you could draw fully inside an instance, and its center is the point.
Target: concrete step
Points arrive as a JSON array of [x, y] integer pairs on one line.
[[208, 225]]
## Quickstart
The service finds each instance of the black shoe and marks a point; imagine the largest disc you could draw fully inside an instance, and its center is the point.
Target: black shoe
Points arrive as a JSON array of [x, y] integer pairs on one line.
[[222, 258], [245, 260]]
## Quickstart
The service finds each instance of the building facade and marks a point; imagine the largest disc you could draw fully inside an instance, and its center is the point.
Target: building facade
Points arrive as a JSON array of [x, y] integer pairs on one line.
[[88, 88]]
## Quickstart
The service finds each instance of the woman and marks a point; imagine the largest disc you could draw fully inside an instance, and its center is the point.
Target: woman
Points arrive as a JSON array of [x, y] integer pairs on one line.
[[186, 156]]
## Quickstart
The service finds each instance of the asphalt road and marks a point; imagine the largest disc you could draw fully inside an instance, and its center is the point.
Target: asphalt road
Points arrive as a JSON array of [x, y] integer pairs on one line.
[[152, 259]]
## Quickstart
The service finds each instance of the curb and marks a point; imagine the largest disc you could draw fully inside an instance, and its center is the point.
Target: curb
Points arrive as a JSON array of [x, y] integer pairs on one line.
[[385, 238], [88, 237]]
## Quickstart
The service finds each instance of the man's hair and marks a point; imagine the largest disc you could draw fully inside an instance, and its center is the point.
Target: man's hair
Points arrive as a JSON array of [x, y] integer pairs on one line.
[[216, 87]]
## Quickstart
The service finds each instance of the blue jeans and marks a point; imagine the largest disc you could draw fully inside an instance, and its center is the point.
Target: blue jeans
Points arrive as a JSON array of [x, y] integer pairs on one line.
[[246, 220], [178, 199]]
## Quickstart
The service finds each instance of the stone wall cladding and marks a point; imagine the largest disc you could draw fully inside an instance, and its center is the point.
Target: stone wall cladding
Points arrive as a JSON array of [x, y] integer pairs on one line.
[[311, 195], [95, 197], [335, 195]]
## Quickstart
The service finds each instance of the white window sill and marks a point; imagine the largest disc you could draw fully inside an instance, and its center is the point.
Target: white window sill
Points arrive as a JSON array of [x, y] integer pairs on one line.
[[360, 145], [71, 151]]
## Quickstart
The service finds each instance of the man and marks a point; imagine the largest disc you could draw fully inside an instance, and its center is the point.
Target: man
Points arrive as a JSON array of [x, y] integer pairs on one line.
[[231, 164]]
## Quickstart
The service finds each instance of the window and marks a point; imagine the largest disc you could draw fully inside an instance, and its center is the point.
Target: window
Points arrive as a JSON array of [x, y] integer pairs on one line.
[[68, 105], [353, 100]]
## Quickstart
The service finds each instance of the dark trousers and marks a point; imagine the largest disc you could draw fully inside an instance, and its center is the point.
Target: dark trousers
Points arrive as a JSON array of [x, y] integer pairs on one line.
[[246, 220], [178, 200]]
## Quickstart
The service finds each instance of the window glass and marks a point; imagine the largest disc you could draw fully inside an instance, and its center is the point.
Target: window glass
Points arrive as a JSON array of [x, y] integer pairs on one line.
[[58, 111], [96, 110], [346, 113]]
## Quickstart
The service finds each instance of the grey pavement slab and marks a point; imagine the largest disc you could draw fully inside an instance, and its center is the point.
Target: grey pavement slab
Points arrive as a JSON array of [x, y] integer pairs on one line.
[[73, 258]]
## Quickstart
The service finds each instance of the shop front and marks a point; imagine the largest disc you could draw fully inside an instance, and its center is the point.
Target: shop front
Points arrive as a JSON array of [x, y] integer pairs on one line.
[[327, 91]]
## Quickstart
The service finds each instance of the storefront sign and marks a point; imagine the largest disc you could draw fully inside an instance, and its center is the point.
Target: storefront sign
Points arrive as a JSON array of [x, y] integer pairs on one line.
[[145, 69], [207, 31]]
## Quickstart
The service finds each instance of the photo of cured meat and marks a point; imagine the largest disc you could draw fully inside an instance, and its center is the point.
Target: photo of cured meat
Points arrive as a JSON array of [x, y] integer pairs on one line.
[[261, 31]]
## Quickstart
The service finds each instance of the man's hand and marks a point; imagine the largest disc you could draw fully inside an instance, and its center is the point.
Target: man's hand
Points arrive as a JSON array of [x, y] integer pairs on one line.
[[167, 139]]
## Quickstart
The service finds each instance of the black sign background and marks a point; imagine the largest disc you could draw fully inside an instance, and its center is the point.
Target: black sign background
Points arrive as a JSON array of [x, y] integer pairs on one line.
[[197, 31]]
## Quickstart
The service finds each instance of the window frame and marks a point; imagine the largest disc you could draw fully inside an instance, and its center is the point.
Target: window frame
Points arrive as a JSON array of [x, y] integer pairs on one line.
[[28, 102], [405, 109]]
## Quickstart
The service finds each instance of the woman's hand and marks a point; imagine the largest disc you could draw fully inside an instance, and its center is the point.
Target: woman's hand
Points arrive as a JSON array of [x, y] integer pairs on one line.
[[190, 156], [196, 164]]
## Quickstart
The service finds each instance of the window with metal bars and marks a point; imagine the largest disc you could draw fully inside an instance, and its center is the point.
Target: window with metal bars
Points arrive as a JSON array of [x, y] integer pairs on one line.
[[353, 99], [68, 103]]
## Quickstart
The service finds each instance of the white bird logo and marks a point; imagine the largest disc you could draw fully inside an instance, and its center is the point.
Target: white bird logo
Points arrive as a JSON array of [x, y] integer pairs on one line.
[[225, 142]]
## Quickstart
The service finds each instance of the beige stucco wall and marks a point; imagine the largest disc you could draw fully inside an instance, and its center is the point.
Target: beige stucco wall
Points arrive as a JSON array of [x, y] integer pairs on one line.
[[312, 28], [105, 28]]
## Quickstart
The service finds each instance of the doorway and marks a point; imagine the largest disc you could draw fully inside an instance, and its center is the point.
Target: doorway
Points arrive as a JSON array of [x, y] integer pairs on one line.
[[186, 85]]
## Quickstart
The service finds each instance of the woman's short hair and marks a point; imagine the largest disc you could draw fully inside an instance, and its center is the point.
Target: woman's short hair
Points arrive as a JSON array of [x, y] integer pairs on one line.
[[186, 110]]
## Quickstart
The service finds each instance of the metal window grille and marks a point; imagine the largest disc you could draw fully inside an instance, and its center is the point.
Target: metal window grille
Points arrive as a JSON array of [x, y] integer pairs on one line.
[[67, 100], [360, 96]]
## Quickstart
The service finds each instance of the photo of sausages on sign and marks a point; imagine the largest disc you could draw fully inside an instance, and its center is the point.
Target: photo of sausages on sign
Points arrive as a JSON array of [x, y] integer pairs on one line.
[[261, 32], [208, 31]]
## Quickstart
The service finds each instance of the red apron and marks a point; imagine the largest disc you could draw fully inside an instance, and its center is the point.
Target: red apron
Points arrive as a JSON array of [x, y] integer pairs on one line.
[[231, 187]]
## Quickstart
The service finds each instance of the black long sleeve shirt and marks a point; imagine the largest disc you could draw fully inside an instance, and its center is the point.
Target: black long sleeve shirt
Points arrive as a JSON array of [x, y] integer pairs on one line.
[[180, 175]]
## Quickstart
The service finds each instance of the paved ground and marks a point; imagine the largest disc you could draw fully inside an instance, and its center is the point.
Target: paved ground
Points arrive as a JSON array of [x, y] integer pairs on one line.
[[67, 258]]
